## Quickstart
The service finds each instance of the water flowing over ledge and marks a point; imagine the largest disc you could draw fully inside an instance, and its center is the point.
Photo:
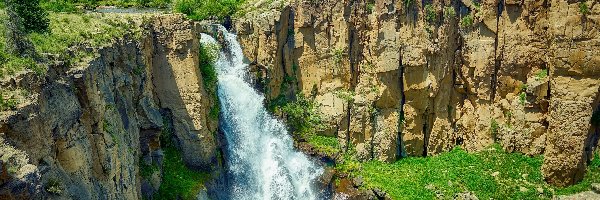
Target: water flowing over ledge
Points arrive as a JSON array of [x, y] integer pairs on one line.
[[262, 162]]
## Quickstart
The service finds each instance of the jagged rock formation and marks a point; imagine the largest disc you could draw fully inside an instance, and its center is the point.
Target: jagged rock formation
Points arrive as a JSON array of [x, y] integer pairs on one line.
[[417, 78], [87, 127]]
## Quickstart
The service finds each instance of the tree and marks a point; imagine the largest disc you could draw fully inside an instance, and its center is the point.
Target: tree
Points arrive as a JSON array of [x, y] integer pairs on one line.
[[33, 17]]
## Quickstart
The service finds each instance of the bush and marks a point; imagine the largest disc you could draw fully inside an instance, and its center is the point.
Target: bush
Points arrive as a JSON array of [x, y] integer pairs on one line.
[[430, 14], [466, 21], [303, 115], [449, 12], [35, 19], [494, 129], [583, 8], [7, 104], [53, 186], [59, 6], [205, 9]]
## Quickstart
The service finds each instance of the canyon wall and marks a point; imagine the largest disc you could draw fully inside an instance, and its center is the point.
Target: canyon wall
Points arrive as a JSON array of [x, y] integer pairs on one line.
[[83, 131], [417, 78]]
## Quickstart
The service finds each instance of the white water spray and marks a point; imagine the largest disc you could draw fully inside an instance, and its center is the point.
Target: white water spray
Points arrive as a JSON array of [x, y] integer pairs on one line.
[[262, 161]]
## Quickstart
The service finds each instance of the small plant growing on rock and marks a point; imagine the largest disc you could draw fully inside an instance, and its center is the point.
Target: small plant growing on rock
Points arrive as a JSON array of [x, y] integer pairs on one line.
[[430, 14], [338, 55], [542, 74], [53, 186], [7, 104], [522, 98], [449, 12], [370, 7], [494, 129], [466, 21], [583, 8]]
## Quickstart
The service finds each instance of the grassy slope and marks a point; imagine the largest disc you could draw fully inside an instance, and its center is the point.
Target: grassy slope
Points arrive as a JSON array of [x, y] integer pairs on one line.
[[491, 173]]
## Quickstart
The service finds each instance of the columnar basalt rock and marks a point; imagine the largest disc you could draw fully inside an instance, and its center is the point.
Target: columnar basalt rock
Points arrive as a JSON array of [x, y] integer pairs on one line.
[[83, 134], [431, 75]]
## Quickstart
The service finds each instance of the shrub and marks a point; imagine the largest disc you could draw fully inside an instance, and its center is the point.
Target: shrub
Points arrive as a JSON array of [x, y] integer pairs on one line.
[[35, 19], [370, 6], [59, 6], [53, 186], [466, 21], [583, 8], [430, 14], [205, 9], [303, 115], [7, 104], [449, 12], [338, 55], [522, 98], [494, 129]]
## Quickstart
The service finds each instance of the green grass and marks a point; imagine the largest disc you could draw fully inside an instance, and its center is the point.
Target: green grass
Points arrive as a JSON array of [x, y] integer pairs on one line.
[[179, 182], [325, 144], [67, 30], [458, 171], [71, 5], [208, 55], [205, 9]]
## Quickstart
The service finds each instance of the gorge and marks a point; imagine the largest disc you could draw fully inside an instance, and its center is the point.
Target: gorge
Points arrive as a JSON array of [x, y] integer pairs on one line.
[[311, 99]]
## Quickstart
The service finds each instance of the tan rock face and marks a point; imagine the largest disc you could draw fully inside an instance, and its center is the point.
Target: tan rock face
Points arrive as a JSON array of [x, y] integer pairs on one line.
[[88, 127], [425, 81]]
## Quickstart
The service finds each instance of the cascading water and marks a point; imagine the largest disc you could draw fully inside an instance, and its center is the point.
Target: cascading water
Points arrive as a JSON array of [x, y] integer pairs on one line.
[[262, 162]]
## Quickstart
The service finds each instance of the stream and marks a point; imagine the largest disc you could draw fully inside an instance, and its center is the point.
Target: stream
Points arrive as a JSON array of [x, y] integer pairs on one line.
[[260, 157]]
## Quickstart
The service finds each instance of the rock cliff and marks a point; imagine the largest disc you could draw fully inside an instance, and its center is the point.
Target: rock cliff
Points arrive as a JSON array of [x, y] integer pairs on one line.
[[417, 78], [83, 131]]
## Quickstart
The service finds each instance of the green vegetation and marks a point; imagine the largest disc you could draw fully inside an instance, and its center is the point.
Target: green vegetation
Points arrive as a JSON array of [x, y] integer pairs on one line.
[[338, 55], [542, 74], [449, 12], [430, 13], [466, 21], [205, 9], [53, 186], [34, 18], [491, 173], [7, 104], [370, 7], [303, 115], [325, 144], [146, 170], [208, 55], [408, 3], [522, 98], [179, 182], [71, 5], [583, 8], [494, 129]]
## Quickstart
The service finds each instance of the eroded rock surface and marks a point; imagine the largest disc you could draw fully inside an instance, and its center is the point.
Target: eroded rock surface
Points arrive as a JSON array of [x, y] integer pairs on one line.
[[89, 127], [422, 79]]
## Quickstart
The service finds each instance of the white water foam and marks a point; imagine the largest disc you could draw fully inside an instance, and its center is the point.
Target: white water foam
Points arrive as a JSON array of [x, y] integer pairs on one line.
[[262, 162]]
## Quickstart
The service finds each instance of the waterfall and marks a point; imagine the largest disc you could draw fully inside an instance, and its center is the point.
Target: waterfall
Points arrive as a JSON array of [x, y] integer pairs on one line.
[[262, 162]]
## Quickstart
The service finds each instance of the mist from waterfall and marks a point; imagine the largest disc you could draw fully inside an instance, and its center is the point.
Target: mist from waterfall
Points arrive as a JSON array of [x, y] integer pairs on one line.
[[262, 162]]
